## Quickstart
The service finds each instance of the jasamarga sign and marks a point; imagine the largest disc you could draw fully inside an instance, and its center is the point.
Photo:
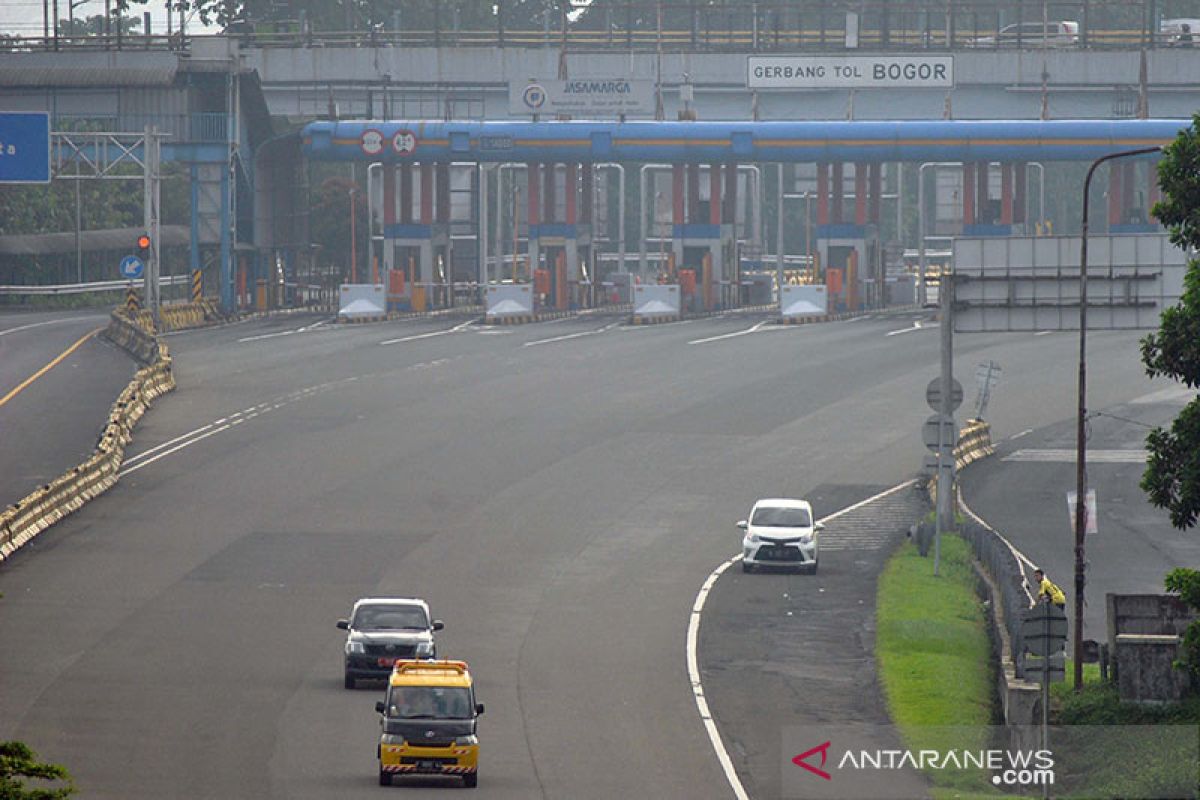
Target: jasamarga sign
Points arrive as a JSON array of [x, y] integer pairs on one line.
[[849, 72], [583, 97]]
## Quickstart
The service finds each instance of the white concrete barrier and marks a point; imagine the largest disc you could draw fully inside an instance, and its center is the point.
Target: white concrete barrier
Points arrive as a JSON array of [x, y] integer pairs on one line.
[[656, 301], [806, 300], [510, 300], [362, 300]]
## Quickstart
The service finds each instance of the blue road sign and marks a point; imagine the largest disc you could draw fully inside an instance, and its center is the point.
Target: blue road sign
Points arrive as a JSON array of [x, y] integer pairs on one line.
[[131, 267], [24, 148]]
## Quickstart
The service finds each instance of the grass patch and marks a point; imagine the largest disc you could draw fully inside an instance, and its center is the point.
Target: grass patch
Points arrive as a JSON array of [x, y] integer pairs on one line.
[[935, 658]]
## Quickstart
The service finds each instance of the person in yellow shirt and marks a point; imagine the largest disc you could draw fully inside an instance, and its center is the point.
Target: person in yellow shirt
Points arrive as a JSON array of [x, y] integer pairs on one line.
[[1048, 591]]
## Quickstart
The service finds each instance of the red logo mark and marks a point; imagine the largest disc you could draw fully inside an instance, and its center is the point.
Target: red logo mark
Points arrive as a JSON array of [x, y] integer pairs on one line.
[[823, 749]]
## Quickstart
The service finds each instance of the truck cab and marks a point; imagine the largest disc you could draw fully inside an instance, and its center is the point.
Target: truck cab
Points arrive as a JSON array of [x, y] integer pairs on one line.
[[428, 719]]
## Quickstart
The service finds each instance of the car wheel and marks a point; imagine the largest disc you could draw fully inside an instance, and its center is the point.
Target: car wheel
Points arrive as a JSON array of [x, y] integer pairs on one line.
[[349, 682], [385, 778], [747, 567], [470, 780], [812, 570]]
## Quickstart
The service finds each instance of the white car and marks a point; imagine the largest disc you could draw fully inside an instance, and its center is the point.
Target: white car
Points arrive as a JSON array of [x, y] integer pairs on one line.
[[1064, 33], [780, 532]]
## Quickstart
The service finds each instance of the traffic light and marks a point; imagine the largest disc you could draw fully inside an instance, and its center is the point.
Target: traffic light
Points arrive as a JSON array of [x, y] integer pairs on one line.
[[143, 247]]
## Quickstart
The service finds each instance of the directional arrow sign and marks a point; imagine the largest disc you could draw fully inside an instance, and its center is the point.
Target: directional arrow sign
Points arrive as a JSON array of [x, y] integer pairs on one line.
[[933, 394], [131, 267]]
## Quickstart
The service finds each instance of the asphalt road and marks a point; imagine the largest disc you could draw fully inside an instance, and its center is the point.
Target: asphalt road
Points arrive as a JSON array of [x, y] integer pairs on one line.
[[558, 492], [52, 424], [1135, 544]]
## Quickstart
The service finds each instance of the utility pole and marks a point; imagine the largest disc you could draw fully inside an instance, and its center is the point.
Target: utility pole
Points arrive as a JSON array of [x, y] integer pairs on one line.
[[150, 217]]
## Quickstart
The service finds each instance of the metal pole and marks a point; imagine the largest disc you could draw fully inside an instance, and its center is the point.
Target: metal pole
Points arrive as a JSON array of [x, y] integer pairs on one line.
[[922, 289], [78, 242], [779, 235], [945, 483], [483, 224], [353, 237], [1081, 419]]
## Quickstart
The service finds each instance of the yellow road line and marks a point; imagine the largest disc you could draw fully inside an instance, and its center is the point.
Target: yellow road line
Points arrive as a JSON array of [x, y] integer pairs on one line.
[[48, 367]]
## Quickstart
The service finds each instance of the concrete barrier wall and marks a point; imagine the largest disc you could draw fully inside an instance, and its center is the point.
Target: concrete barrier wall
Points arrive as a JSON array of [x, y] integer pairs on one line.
[[23, 520], [656, 301], [803, 301], [509, 299]]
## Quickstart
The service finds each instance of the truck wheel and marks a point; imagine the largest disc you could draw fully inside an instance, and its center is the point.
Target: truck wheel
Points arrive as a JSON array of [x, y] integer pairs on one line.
[[385, 778], [470, 780], [747, 567], [349, 682]]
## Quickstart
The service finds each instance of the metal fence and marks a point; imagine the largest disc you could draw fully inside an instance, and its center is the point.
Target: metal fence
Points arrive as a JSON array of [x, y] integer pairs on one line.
[[734, 26], [1005, 567], [194, 127]]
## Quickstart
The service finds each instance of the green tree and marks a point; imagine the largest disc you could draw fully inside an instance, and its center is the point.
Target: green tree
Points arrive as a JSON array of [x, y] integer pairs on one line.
[[19, 763], [1172, 476], [1186, 583]]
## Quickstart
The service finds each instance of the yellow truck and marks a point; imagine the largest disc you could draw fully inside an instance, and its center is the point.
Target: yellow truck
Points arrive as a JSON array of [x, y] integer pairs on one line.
[[429, 718]]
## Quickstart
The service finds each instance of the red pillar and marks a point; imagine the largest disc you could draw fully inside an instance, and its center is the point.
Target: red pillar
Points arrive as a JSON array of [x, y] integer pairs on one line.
[[571, 190], [426, 194], [1006, 194], [822, 194], [714, 194], [875, 193], [406, 193], [693, 193], [968, 194], [1020, 173], [678, 196], [860, 194], [1116, 192], [549, 199], [838, 198]]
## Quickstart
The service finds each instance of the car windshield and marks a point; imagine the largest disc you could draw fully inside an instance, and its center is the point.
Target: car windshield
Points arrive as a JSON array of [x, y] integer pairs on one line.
[[390, 618], [769, 517], [429, 702]]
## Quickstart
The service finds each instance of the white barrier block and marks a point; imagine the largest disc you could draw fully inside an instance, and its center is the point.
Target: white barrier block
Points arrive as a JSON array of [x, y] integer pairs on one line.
[[656, 300], [509, 300], [804, 301], [361, 300]]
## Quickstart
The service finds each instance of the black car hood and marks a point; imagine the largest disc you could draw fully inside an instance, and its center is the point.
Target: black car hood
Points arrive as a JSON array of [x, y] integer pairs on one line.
[[417, 730]]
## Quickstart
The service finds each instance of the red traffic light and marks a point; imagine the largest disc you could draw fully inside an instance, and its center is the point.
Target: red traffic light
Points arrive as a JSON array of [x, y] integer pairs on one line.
[[143, 242]]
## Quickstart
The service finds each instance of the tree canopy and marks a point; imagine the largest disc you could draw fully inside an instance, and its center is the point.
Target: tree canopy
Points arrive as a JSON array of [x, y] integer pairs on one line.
[[19, 763], [1172, 477]]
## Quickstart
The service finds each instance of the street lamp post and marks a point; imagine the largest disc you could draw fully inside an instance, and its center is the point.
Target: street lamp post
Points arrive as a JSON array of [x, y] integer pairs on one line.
[[1081, 417], [353, 236]]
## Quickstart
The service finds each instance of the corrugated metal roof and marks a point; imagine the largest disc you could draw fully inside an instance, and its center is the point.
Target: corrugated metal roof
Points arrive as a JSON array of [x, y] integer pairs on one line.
[[114, 239], [90, 68]]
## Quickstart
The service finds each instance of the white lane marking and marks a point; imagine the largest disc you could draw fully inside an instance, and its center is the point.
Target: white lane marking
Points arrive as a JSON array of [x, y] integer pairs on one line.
[[302, 329], [1017, 554], [1172, 394], [571, 336], [1016, 436], [755, 329], [1044, 333], [917, 326], [693, 639], [1053, 456], [134, 463], [431, 334], [166, 453], [7, 331]]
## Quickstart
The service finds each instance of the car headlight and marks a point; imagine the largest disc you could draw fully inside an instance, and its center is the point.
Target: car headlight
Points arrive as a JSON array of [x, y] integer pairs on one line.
[[752, 538], [355, 647], [424, 650], [470, 738], [391, 738], [806, 540]]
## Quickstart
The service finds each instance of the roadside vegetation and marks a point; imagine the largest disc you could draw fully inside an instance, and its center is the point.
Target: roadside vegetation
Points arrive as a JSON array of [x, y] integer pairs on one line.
[[19, 764], [935, 658]]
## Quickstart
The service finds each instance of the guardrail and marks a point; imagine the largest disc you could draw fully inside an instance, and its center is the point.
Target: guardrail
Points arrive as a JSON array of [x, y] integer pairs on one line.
[[47, 504], [21, 290]]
